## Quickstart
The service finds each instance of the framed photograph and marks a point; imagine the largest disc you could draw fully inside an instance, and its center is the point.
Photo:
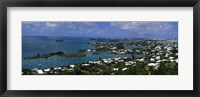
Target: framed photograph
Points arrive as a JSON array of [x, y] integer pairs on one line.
[[62, 48]]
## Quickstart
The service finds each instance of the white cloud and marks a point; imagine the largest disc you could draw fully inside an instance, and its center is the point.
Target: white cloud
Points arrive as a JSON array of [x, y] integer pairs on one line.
[[30, 23], [49, 25], [89, 23], [71, 26], [144, 27], [81, 27]]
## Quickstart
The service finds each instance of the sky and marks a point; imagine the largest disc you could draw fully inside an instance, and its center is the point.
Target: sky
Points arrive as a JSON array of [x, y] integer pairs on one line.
[[135, 29]]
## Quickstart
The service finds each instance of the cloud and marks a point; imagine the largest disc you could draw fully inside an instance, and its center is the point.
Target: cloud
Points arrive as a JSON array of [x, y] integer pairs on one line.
[[80, 27], [31, 24], [145, 27], [51, 24], [89, 23], [112, 29]]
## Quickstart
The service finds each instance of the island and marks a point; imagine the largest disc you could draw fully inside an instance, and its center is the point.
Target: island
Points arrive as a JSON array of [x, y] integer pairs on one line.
[[158, 57], [59, 53]]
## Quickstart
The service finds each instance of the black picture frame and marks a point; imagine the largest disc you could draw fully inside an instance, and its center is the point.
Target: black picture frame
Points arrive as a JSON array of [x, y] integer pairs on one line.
[[98, 3]]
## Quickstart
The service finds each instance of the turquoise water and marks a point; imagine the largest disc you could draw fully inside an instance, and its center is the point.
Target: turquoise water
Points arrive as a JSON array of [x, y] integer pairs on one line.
[[31, 46]]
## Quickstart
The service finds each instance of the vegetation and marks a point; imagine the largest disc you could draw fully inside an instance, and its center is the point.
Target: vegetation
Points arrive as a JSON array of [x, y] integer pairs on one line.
[[157, 58], [140, 68], [74, 55], [59, 53]]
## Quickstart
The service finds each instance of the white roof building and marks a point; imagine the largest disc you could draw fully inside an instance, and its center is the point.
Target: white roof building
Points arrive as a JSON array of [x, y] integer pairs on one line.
[[155, 65], [124, 69], [117, 58], [169, 49], [85, 64], [171, 58], [115, 69], [125, 58], [152, 59], [141, 60], [127, 63], [40, 72], [89, 50], [98, 62], [159, 61], [57, 68], [158, 57], [177, 60], [167, 55], [158, 48], [71, 69], [131, 62], [114, 48], [120, 60], [152, 64], [72, 66], [91, 62], [46, 70]]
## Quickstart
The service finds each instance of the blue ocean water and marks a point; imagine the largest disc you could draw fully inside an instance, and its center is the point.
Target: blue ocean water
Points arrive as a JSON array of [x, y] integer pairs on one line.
[[32, 45]]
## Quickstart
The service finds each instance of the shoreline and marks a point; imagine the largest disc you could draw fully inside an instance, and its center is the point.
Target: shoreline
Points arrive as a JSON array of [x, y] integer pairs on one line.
[[157, 57], [123, 66]]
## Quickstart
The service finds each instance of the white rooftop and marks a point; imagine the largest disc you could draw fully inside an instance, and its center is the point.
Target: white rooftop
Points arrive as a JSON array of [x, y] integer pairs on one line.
[[40, 72], [152, 64], [46, 70]]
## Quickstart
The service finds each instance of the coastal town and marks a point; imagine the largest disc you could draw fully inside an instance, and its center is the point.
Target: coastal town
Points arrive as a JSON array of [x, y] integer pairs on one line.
[[147, 57]]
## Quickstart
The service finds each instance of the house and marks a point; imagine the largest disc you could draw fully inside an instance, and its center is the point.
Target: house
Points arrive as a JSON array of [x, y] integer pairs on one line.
[[127, 63], [131, 62], [141, 60], [47, 70], [124, 69], [57, 68], [125, 58], [117, 58], [176, 60], [158, 48], [154, 65], [114, 48], [171, 58], [152, 59], [72, 66], [71, 69], [121, 60], [40, 72], [98, 62], [85, 64], [89, 50], [158, 61], [169, 49], [91, 62], [157, 57], [115, 69]]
